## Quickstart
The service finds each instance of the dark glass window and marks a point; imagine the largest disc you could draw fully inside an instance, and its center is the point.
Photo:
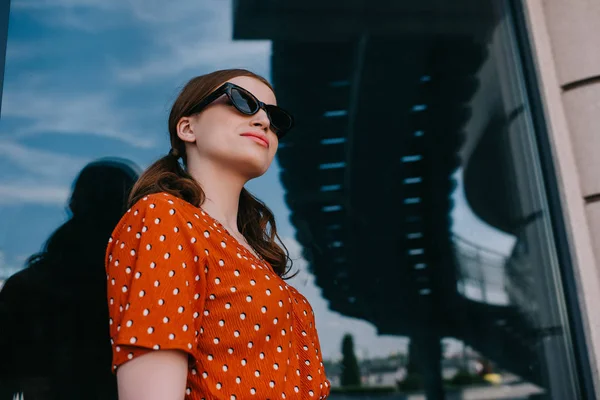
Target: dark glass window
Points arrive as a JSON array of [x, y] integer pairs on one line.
[[410, 193]]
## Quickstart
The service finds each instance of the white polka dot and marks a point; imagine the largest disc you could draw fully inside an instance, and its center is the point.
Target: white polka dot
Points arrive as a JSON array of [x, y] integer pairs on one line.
[[252, 391], [156, 283], [167, 255], [257, 373], [171, 274], [217, 281], [156, 347], [118, 349], [148, 246], [175, 291], [180, 310], [124, 289], [142, 293], [166, 319], [130, 356], [184, 328], [150, 329], [219, 386], [216, 340], [129, 323], [223, 245], [225, 368], [128, 270], [152, 265], [161, 302], [221, 263], [244, 362], [171, 336], [243, 316], [133, 340]]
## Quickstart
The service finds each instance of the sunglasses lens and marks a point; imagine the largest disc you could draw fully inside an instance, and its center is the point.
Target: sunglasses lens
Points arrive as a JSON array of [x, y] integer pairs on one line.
[[280, 119], [243, 101]]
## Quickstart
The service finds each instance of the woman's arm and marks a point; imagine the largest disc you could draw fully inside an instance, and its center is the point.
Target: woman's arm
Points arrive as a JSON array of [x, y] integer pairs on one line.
[[157, 375]]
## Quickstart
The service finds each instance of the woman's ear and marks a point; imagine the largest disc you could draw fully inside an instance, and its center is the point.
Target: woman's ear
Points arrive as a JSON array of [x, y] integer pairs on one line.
[[185, 130]]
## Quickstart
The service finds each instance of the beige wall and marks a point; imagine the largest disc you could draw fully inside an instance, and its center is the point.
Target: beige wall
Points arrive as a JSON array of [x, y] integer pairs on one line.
[[566, 40]]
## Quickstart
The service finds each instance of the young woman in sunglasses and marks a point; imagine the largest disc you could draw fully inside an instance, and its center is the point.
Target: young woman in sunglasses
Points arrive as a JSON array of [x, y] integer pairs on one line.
[[198, 305]]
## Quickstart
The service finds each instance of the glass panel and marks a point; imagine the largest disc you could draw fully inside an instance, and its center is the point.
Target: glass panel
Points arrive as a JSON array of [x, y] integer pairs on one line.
[[409, 194]]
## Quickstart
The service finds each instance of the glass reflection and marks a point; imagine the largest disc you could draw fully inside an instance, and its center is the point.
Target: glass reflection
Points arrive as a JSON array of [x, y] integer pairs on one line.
[[409, 194]]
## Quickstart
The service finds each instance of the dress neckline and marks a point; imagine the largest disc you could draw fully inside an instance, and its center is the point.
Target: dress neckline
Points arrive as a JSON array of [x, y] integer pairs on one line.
[[240, 246]]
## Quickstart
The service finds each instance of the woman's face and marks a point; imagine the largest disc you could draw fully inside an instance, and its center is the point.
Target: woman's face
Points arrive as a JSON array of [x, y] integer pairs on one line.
[[221, 134]]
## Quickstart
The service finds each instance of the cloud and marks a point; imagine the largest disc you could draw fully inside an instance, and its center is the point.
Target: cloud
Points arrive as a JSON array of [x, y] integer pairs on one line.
[[63, 4], [198, 57], [11, 194], [41, 111], [42, 163], [6, 268]]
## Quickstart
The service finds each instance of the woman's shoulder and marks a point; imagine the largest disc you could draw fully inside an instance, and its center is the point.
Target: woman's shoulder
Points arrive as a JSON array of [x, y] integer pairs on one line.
[[165, 203], [161, 209]]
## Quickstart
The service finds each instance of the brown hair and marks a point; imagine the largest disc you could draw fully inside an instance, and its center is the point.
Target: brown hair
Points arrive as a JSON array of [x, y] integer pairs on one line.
[[255, 220]]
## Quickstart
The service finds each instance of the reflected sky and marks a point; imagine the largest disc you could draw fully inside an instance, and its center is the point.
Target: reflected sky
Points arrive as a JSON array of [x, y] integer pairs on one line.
[[87, 79]]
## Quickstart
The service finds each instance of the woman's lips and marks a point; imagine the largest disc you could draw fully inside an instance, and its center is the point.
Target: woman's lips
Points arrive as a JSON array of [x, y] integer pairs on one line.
[[258, 139]]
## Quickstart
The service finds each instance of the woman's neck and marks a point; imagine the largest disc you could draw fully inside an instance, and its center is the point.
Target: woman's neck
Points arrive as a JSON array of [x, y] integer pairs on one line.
[[222, 188]]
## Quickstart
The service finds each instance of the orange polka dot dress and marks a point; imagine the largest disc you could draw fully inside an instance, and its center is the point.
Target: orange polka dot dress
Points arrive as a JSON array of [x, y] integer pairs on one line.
[[178, 280]]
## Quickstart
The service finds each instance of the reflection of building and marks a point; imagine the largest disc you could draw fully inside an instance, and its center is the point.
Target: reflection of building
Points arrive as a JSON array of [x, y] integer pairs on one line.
[[390, 98]]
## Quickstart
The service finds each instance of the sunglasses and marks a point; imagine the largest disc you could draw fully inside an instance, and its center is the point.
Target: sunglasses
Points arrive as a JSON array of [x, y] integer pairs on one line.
[[246, 103]]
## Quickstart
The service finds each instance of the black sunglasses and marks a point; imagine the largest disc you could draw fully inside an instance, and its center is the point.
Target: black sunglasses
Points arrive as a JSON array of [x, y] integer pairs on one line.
[[246, 103]]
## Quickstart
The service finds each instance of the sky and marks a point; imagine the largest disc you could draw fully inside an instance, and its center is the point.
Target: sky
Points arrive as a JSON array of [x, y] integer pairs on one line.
[[87, 79]]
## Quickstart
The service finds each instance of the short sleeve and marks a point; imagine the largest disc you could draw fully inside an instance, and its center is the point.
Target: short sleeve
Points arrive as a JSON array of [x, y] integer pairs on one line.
[[155, 281]]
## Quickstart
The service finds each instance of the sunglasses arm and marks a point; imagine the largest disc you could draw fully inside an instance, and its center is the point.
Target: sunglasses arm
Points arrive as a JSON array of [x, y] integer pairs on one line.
[[206, 101]]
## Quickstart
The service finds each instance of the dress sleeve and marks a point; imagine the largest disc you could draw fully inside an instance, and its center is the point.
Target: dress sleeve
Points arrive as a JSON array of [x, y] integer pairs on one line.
[[155, 281]]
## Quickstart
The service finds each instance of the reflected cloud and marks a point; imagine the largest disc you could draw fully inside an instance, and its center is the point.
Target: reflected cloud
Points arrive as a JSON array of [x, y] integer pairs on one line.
[[33, 194], [40, 111], [45, 164], [200, 56]]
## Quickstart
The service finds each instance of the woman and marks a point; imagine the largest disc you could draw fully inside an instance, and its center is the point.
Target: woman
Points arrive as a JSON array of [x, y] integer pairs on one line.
[[197, 302]]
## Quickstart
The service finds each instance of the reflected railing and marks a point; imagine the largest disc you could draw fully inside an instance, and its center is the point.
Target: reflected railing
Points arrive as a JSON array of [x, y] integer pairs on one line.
[[481, 272]]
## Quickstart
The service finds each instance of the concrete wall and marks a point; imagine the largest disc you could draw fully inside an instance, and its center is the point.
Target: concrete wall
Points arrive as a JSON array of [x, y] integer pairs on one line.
[[564, 36]]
